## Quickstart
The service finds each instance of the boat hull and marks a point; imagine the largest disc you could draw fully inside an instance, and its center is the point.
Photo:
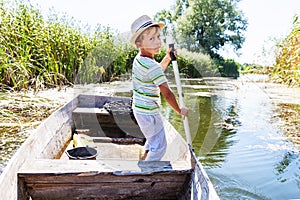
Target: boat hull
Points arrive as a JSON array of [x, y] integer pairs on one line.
[[40, 169]]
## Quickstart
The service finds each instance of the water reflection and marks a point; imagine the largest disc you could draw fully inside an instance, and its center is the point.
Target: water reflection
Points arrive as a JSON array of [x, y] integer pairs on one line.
[[238, 140], [282, 167], [213, 119]]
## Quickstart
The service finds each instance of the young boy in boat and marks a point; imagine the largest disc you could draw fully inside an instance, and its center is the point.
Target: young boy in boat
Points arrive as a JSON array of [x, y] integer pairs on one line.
[[149, 81]]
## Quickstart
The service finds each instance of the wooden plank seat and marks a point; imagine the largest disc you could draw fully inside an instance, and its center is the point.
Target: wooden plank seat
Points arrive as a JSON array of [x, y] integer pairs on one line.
[[103, 123], [102, 179]]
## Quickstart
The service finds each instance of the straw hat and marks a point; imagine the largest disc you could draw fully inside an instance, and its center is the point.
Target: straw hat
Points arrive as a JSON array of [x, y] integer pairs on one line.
[[141, 24]]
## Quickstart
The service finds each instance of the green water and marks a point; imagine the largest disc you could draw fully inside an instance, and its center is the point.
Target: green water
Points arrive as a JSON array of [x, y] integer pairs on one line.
[[236, 135], [235, 132]]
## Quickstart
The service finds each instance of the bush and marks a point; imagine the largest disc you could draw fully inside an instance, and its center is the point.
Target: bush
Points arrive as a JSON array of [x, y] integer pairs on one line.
[[228, 67], [195, 65]]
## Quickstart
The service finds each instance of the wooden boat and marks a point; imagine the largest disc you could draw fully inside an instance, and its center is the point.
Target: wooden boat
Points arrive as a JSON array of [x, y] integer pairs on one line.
[[41, 169]]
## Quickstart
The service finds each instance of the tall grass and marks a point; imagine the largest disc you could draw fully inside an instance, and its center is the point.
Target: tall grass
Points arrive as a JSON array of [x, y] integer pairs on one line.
[[287, 67], [39, 53]]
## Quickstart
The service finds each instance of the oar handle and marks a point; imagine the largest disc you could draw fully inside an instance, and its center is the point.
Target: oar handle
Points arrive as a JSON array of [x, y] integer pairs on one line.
[[172, 54], [180, 94]]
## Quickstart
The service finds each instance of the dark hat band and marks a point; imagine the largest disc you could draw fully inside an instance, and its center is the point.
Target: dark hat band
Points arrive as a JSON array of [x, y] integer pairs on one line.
[[145, 25]]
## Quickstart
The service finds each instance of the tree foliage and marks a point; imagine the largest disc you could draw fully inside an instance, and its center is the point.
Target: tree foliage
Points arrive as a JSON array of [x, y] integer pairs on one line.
[[207, 25], [166, 17]]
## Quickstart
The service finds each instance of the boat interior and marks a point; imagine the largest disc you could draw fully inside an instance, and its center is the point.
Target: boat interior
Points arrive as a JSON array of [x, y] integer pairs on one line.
[[115, 170]]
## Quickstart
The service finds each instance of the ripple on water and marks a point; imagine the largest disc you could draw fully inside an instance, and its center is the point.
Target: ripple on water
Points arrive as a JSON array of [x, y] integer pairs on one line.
[[234, 188]]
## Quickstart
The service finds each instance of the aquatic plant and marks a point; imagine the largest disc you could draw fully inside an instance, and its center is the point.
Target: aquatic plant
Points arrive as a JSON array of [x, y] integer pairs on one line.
[[287, 67]]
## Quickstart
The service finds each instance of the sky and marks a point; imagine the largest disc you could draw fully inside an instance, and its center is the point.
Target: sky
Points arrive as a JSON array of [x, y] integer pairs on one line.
[[268, 20]]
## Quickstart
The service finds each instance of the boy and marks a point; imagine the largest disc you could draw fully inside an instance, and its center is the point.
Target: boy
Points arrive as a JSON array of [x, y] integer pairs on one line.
[[149, 81]]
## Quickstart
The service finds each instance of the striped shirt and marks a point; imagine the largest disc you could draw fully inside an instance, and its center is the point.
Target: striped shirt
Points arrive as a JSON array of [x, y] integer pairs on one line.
[[147, 75]]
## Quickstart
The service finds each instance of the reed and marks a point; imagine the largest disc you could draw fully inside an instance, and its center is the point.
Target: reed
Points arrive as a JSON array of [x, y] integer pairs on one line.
[[37, 53], [287, 67]]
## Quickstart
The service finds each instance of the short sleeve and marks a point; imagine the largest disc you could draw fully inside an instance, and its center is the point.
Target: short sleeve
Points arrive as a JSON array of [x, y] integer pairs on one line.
[[157, 75]]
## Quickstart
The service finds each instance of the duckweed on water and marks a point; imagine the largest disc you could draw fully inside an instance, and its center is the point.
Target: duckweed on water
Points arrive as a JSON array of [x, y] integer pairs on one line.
[[20, 113], [290, 114]]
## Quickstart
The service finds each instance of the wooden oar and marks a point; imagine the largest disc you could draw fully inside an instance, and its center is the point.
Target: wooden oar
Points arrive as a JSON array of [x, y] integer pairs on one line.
[[82, 140], [180, 94]]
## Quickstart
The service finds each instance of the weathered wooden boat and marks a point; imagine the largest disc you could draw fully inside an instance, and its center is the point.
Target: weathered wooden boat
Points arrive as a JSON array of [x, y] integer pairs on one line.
[[40, 169]]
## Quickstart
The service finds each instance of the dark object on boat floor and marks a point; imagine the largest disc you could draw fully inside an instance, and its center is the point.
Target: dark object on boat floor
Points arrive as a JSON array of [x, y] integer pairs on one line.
[[82, 153]]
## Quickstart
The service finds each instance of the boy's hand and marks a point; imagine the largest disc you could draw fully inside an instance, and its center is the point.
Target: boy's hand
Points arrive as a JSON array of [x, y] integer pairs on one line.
[[184, 112], [167, 59], [168, 55]]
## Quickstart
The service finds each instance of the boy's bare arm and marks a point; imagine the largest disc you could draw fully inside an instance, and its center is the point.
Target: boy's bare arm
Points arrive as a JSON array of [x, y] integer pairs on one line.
[[169, 96], [164, 63], [166, 60]]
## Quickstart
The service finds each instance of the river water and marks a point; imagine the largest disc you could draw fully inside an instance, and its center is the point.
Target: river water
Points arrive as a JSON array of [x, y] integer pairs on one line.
[[236, 132], [236, 129], [238, 138]]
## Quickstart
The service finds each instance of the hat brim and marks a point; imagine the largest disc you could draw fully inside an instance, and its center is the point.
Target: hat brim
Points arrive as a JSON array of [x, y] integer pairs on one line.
[[136, 34]]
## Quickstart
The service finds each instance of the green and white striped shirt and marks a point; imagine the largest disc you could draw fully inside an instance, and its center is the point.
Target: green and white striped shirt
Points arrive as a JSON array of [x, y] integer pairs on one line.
[[147, 75]]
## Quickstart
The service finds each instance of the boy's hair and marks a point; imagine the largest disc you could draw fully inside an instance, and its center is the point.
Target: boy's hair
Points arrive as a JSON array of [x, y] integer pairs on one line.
[[140, 37]]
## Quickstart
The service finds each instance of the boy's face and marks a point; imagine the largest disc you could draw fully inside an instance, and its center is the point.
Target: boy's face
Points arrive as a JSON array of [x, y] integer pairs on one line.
[[150, 43]]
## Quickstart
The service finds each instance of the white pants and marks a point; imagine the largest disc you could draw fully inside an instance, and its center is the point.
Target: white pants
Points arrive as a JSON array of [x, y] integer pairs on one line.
[[153, 129]]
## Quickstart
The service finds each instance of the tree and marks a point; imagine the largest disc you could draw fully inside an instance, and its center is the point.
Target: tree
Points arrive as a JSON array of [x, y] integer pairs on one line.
[[207, 25], [170, 20], [166, 17]]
